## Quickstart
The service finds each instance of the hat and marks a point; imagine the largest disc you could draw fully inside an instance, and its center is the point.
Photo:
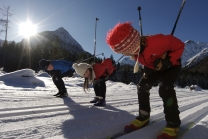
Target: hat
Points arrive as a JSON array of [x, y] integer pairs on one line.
[[123, 38], [81, 69], [44, 63]]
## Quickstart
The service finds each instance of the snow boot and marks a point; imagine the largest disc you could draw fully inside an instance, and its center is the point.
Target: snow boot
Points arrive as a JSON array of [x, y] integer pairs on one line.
[[63, 93], [140, 122], [168, 133], [100, 103], [95, 100]]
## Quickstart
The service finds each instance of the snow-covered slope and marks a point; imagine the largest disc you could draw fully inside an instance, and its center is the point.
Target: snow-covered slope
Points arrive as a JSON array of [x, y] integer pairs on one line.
[[30, 111]]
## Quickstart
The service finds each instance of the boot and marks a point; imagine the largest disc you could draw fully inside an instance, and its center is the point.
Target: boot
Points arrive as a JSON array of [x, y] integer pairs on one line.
[[169, 133], [63, 93], [57, 94], [140, 122], [95, 100], [100, 103]]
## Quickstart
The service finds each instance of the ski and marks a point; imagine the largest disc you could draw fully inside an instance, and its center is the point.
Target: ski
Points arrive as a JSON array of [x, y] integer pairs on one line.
[[184, 128], [119, 134]]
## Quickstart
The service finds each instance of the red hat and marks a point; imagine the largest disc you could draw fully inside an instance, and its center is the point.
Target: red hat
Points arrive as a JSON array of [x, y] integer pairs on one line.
[[123, 38]]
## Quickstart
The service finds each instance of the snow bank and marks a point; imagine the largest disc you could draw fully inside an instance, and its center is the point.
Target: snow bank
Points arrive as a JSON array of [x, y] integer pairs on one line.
[[195, 87], [24, 77]]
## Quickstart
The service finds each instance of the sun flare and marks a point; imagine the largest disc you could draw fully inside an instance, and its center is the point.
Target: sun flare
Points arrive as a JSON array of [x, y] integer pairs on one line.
[[27, 29]]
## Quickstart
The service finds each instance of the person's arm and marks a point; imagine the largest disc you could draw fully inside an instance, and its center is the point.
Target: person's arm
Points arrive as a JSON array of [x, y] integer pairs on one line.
[[176, 47]]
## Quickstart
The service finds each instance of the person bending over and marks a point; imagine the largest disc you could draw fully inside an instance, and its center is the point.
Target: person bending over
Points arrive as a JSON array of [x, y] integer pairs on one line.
[[58, 69]]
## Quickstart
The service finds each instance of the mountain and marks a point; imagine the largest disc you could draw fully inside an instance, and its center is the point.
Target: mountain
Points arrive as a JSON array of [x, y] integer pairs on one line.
[[195, 53], [60, 36], [200, 67], [127, 61]]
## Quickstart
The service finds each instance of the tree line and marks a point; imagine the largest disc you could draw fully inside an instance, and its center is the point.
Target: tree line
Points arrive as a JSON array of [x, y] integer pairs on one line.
[[17, 56]]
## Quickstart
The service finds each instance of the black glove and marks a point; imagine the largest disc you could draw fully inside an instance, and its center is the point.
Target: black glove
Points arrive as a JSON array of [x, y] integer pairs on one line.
[[162, 64], [148, 71]]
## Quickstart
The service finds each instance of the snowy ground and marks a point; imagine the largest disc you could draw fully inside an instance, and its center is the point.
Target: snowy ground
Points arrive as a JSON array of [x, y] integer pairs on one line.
[[29, 111]]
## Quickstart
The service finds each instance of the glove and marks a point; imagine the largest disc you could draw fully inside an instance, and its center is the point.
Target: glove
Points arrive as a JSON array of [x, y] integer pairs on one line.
[[162, 64], [148, 71]]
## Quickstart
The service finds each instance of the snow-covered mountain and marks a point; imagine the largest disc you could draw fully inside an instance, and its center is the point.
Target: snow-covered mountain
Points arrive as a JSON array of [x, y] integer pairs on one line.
[[194, 53], [127, 61], [59, 36]]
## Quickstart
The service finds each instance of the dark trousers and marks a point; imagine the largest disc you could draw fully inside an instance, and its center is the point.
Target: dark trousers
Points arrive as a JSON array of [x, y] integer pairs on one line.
[[100, 89], [58, 81], [166, 92]]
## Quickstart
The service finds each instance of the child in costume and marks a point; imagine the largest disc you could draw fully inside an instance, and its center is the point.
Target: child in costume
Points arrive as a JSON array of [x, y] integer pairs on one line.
[[58, 69], [160, 55], [97, 74]]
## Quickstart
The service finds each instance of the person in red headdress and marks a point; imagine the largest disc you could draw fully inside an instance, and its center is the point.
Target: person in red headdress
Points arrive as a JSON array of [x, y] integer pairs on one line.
[[160, 55]]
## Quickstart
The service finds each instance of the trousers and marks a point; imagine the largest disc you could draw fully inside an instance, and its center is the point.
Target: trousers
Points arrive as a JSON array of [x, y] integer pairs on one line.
[[167, 79]]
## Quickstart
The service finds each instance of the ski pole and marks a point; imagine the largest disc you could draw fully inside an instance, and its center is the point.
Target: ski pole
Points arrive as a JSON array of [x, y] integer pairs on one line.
[[118, 60], [95, 37], [165, 54], [88, 58], [183, 3], [140, 21]]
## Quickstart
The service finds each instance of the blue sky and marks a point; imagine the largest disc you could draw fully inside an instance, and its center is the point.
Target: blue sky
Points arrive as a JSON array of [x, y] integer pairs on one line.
[[78, 18]]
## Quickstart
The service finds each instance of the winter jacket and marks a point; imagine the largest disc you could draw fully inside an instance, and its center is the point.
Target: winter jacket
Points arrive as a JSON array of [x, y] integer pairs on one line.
[[159, 44], [62, 65], [103, 69]]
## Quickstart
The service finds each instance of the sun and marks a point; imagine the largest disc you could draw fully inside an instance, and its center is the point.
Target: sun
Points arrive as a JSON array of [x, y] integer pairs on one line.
[[27, 29]]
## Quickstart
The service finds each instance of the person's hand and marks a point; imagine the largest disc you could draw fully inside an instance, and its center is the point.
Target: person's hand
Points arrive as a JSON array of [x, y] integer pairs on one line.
[[162, 64], [147, 71]]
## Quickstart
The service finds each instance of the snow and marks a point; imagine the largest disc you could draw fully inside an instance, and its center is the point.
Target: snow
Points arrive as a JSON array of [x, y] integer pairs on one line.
[[29, 111]]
